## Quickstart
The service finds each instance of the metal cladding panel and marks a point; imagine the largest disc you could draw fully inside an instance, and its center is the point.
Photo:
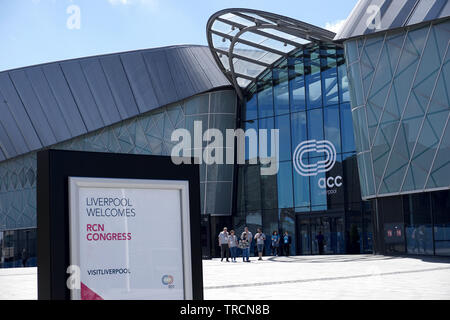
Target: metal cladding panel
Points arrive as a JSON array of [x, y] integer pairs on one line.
[[19, 117], [63, 96], [179, 75], [12, 138], [6, 144], [33, 108], [50, 103], [120, 87], [161, 78], [206, 61], [100, 90], [83, 95], [392, 14], [140, 81], [194, 72], [47, 101]]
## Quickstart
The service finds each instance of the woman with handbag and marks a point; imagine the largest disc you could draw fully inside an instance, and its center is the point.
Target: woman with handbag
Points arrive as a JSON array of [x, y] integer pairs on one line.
[[244, 244]]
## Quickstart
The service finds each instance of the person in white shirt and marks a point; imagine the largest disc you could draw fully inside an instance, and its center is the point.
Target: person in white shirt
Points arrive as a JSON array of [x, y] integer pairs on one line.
[[246, 240], [223, 244], [260, 238], [233, 245]]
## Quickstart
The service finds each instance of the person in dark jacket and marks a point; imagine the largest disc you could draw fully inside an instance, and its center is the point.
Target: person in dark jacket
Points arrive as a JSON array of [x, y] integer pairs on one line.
[[287, 243], [275, 243], [320, 242], [24, 258]]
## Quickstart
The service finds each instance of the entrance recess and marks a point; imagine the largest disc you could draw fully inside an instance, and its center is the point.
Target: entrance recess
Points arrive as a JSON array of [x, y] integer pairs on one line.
[[332, 228]]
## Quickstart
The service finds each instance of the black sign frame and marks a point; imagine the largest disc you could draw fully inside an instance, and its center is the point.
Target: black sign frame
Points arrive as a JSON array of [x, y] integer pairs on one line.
[[54, 167]]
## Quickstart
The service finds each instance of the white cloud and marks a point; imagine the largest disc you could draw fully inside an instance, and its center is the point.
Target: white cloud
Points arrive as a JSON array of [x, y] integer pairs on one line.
[[149, 3], [335, 26]]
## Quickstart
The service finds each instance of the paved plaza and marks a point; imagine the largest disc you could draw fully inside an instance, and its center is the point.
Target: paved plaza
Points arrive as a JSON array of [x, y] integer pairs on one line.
[[328, 277], [304, 277]]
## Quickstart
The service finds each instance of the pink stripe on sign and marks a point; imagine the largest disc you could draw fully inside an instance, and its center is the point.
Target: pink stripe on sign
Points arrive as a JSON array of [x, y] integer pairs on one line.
[[88, 294]]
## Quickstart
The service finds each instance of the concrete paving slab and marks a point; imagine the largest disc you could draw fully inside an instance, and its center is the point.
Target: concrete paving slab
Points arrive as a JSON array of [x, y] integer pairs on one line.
[[302, 277]]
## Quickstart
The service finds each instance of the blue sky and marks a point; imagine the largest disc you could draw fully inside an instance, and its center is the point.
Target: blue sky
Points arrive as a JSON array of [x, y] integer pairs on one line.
[[39, 31]]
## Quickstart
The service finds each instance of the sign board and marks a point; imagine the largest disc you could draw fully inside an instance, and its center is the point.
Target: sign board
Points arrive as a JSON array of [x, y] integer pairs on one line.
[[117, 226], [130, 238]]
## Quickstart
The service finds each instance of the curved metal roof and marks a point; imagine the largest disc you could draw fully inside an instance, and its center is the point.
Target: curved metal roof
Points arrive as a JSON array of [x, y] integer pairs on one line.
[[245, 42], [50, 103], [371, 16]]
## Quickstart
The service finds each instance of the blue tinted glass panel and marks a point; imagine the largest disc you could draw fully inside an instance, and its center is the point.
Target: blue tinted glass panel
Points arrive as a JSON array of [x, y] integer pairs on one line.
[[265, 97], [318, 194], [283, 124], [332, 127], [281, 90], [249, 152], [330, 87], [251, 108], [284, 182], [313, 86], [297, 86], [268, 124], [315, 124], [298, 128], [301, 189]]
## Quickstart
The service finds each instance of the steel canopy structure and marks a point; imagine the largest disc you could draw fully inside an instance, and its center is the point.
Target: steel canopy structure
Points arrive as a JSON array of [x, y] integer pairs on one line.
[[246, 42]]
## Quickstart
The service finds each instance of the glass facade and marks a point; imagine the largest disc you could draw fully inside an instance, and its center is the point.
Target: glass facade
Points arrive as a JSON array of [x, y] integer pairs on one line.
[[18, 248], [400, 98], [149, 133], [417, 224], [305, 96]]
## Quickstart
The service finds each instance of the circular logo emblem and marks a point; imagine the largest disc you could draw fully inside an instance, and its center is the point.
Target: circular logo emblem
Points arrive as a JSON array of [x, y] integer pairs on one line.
[[167, 279], [313, 169]]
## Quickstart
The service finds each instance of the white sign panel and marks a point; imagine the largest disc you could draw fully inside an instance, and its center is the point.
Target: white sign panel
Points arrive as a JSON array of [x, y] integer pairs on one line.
[[130, 239]]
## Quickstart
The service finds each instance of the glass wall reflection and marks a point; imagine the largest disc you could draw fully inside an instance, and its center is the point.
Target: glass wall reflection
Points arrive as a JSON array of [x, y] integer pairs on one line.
[[417, 224], [306, 97], [18, 248]]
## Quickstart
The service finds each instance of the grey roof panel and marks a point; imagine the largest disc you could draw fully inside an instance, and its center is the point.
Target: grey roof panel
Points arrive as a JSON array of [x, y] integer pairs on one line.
[[179, 75], [63, 96], [120, 87], [83, 96], [100, 90], [21, 119], [50, 103], [189, 62], [393, 14], [158, 68], [47, 101], [33, 108], [206, 61], [140, 81], [6, 143], [12, 133]]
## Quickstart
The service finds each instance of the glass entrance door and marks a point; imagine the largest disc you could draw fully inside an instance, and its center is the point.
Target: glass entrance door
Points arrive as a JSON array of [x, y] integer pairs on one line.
[[321, 225], [331, 227], [304, 237]]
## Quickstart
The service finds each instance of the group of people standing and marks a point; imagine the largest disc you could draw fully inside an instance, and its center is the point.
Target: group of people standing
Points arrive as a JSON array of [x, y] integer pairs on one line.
[[229, 242]]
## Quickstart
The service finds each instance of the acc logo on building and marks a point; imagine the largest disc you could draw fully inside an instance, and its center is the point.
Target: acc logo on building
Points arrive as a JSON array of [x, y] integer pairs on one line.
[[314, 169]]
